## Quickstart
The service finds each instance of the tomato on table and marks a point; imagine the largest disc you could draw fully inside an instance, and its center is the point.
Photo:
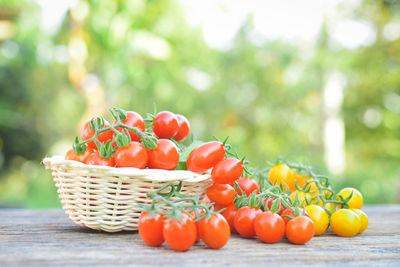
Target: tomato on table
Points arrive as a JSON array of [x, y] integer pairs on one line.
[[165, 156], [214, 231], [133, 119], [165, 125], [300, 230], [222, 194], [363, 219], [320, 218], [356, 200], [345, 222], [151, 230], [229, 213], [248, 186], [95, 159], [244, 221], [103, 137], [184, 128], [227, 171], [205, 156], [269, 227], [180, 235], [133, 155]]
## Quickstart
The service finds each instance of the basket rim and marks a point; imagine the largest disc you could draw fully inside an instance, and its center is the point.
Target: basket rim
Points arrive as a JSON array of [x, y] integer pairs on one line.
[[158, 175]]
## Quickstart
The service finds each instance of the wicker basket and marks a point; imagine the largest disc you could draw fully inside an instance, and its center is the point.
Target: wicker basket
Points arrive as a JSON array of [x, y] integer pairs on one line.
[[107, 198]]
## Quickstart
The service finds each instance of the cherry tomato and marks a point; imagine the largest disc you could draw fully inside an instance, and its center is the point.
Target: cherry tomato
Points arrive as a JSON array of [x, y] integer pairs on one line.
[[133, 119], [363, 219], [165, 156], [282, 175], [244, 221], [214, 231], [269, 227], [95, 159], [345, 222], [165, 125], [205, 156], [229, 213], [87, 133], [151, 230], [184, 128], [222, 194], [72, 155], [227, 171], [218, 207], [290, 213], [194, 218], [320, 218], [180, 235], [356, 200], [300, 230], [248, 186], [132, 155], [268, 204]]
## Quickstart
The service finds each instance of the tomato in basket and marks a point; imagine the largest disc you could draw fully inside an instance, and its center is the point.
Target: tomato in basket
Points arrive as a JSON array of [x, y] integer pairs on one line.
[[133, 119], [184, 128], [88, 133], [165, 156], [133, 155], [165, 125], [95, 159]]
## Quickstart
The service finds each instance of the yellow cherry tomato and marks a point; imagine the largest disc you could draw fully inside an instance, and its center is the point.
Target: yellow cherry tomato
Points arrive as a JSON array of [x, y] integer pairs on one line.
[[345, 223], [356, 200], [330, 206], [363, 219], [281, 174], [320, 218]]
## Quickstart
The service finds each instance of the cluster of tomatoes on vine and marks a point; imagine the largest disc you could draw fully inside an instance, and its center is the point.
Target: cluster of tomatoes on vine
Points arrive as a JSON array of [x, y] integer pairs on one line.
[[131, 141]]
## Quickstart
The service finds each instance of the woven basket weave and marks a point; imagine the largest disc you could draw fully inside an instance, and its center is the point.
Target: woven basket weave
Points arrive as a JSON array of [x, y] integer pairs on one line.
[[107, 198]]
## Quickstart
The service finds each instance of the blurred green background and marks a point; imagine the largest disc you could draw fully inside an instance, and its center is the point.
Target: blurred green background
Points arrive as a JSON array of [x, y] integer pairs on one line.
[[316, 81]]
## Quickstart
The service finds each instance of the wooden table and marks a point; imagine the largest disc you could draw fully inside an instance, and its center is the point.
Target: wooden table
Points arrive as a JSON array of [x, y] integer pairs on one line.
[[48, 237]]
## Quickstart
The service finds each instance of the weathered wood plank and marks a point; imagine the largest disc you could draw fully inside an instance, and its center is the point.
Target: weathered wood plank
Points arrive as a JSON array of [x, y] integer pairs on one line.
[[50, 238]]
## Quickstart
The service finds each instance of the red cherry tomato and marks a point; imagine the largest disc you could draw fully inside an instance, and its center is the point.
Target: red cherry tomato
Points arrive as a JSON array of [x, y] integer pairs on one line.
[[222, 194], [151, 230], [132, 155], [269, 227], [218, 207], [164, 156], [268, 204], [205, 156], [214, 231], [227, 171], [248, 185], [87, 133], [290, 213], [95, 159], [184, 128], [72, 155], [180, 235], [133, 119], [165, 125], [229, 213], [194, 218], [300, 230], [244, 221]]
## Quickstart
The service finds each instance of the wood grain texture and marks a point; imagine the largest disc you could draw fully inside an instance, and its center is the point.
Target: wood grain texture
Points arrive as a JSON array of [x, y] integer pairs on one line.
[[39, 238]]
